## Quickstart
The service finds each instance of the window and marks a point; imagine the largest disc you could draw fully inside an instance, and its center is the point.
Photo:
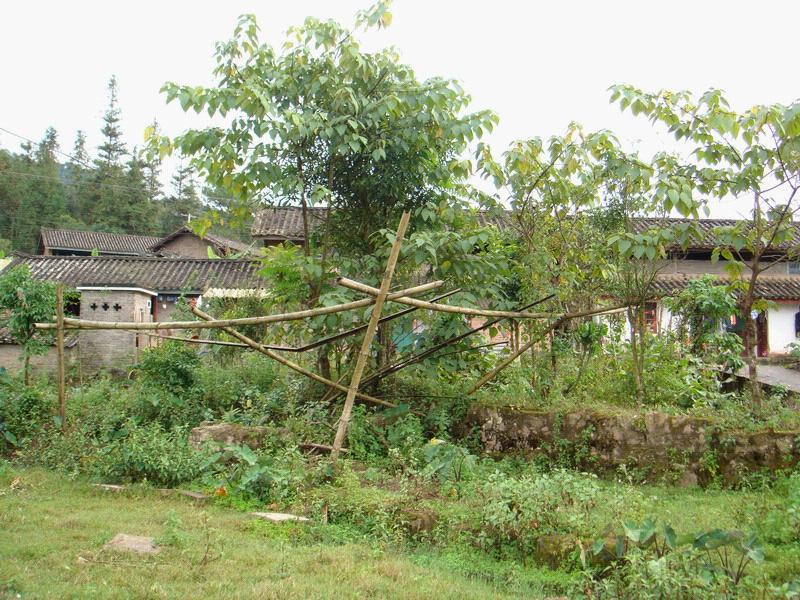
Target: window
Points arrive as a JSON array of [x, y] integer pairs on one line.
[[794, 268], [651, 316]]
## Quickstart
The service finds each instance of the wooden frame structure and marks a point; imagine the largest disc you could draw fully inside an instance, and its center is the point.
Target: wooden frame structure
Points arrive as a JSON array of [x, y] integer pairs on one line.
[[378, 297]]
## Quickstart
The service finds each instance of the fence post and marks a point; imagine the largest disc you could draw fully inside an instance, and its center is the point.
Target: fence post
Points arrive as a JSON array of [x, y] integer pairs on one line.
[[62, 388]]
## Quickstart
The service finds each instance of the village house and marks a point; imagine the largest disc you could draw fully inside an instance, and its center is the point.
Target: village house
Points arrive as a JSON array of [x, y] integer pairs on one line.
[[130, 289], [183, 243], [141, 278], [780, 284]]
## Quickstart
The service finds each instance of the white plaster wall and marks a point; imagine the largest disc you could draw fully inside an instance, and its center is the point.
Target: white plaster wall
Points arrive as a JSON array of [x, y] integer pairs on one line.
[[665, 321], [780, 324]]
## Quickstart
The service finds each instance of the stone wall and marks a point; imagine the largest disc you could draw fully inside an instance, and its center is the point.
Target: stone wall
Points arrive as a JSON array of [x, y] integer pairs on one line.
[[689, 450]]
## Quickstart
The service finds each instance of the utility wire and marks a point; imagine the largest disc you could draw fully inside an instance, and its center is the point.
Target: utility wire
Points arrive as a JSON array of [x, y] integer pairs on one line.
[[75, 160], [27, 139]]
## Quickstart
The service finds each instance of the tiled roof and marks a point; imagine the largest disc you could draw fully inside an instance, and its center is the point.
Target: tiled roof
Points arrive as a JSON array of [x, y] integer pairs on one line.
[[6, 339], [222, 245], [115, 243], [156, 274], [706, 227], [286, 222], [768, 287]]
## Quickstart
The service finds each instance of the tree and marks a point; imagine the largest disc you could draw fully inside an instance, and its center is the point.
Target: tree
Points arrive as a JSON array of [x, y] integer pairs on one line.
[[184, 203], [320, 122], [753, 155], [702, 307], [26, 302], [112, 149], [120, 196], [151, 167], [31, 194]]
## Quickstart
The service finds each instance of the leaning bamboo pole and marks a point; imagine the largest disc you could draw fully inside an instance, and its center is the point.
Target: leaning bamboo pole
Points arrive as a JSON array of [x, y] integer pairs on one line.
[[531, 343], [62, 386], [287, 363], [222, 323], [305, 348], [478, 312], [369, 334], [422, 355], [503, 314]]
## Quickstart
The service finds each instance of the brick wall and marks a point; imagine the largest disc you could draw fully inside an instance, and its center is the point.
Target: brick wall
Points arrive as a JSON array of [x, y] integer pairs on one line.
[[11, 359], [104, 349]]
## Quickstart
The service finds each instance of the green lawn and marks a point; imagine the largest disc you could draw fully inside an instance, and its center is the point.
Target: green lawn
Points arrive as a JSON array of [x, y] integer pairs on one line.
[[53, 529]]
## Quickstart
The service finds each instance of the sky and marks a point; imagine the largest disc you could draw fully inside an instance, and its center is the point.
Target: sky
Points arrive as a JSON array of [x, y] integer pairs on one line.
[[538, 65]]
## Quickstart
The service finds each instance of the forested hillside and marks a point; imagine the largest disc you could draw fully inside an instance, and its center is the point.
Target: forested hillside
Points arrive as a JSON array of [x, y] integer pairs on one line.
[[48, 183]]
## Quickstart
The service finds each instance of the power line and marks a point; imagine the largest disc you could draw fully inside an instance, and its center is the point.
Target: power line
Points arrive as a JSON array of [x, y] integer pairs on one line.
[[88, 183], [87, 165], [27, 139]]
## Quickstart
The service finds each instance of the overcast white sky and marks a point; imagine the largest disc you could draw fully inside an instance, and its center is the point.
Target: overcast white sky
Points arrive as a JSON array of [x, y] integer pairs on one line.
[[539, 65]]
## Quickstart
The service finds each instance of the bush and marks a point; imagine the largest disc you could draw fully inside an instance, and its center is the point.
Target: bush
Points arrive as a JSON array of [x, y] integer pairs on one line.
[[518, 512], [148, 453], [24, 412], [267, 477], [172, 366]]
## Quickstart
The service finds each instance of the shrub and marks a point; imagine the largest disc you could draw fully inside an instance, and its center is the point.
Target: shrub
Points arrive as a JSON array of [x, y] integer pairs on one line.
[[648, 562], [447, 462], [518, 512], [24, 411], [268, 477], [148, 453], [172, 366]]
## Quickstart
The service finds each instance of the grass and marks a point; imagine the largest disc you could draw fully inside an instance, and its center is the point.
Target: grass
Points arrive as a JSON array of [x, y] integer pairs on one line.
[[54, 528]]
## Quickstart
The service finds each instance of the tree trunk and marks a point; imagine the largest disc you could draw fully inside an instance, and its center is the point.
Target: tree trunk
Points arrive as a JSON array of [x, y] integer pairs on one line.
[[749, 340], [324, 362], [633, 321]]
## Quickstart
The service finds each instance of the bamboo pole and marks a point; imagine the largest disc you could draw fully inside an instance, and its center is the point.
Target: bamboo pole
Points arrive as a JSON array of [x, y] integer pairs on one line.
[[62, 387], [310, 346], [369, 334], [503, 314], [525, 347], [222, 323], [287, 363], [360, 287], [419, 356]]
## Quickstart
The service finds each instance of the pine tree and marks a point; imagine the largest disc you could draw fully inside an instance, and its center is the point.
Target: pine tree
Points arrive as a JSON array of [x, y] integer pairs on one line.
[[40, 198], [78, 173], [107, 204], [185, 202], [80, 157], [111, 151]]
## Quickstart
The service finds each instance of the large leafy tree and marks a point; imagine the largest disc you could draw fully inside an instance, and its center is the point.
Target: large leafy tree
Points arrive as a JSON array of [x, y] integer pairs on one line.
[[319, 121], [751, 156]]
